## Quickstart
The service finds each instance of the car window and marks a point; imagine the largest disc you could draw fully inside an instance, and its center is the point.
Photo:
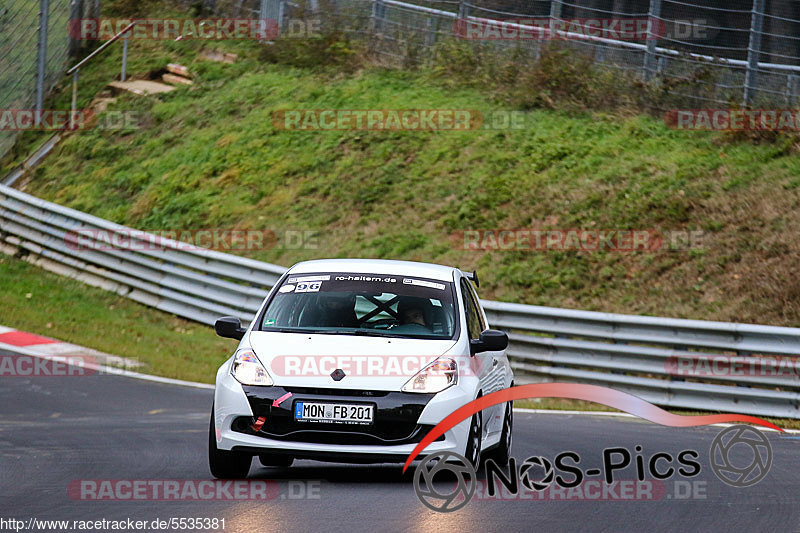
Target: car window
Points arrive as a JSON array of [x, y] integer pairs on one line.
[[363, 304], [475, 299], [473, 316]]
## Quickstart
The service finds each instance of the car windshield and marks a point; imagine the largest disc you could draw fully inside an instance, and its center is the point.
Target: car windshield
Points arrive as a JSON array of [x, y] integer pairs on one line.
[[362, 304]]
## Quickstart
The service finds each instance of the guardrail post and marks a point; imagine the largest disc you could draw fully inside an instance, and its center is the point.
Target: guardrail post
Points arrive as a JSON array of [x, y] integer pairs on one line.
[[653, 18], [754, 51], [41, 57]]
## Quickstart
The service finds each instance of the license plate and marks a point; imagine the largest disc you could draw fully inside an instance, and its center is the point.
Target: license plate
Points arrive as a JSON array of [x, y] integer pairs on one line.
[[333, 412]]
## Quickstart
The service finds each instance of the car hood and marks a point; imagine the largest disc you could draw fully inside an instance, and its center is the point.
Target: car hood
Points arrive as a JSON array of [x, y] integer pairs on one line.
[[369, 363]]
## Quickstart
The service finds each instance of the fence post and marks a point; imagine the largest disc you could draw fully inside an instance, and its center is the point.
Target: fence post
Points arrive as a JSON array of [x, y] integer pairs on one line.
[[74, 21], [124, 56], [74, 106], [432, 29], [753, 51], [555, 10], [653, 16], [791, 89], [41, 58], [378, 14], [463, 10], [555, 14]]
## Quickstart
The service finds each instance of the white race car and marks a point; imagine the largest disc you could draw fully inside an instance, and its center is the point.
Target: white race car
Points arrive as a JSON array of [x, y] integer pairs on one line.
[[355, 361]]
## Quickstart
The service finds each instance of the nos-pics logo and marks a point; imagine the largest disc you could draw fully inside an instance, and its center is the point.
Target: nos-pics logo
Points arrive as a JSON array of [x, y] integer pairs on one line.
[[740, 456]]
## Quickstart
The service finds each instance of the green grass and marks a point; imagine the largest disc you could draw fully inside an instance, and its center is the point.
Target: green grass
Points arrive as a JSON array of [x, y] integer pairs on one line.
[[40, 302]]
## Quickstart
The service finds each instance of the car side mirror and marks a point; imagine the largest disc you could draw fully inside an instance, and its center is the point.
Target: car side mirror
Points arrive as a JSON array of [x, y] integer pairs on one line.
[[491, 340], [229, 327]]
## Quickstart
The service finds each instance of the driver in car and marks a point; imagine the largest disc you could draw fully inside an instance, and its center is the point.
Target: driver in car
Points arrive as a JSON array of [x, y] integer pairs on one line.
[[411, 313]]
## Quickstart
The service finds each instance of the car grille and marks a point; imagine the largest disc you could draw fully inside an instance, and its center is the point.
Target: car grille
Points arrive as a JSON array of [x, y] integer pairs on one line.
[[395, 416]]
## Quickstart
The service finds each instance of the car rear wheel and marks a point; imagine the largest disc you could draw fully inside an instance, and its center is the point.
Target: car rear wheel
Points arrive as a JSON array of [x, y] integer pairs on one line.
[[268, 459], [473, 451], [226, 464]]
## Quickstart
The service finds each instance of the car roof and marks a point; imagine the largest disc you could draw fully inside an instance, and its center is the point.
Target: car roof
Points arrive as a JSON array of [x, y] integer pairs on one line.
[[376, 266]]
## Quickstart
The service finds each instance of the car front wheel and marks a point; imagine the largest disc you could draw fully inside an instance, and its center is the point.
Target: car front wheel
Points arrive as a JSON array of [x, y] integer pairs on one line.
[[473, 451], [502, 453], [225, 464]]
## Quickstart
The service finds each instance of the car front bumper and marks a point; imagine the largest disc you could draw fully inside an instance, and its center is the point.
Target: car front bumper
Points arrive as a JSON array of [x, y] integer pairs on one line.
[[401, 421]]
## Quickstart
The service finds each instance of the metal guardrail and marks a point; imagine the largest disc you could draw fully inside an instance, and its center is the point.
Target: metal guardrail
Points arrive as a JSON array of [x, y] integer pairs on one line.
[[194, 283], [635, 354], [641, 354]]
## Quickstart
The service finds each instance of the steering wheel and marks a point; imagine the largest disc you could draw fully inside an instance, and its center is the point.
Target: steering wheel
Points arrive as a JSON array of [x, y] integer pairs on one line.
[[383, 323]]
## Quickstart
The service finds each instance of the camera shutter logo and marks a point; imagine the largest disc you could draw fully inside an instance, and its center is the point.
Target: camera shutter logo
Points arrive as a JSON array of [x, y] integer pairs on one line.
[[724, 460], [544, 464], [461, 493]]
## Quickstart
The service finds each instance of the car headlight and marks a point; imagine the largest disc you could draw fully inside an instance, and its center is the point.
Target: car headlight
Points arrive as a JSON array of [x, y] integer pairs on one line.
[[248, 370], [435, 377]]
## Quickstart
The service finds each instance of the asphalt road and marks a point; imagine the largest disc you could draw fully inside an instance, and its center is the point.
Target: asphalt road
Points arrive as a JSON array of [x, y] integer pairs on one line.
[[54, 431]]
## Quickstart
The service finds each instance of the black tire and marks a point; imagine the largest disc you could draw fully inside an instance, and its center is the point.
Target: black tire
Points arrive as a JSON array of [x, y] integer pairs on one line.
[[225, 464], [474, 438], [267, 459], [502, 453]]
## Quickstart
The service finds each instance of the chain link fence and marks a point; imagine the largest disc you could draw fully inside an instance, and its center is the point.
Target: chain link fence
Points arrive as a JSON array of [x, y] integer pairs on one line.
[[732, 52], [34, 47], [739, 51]]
